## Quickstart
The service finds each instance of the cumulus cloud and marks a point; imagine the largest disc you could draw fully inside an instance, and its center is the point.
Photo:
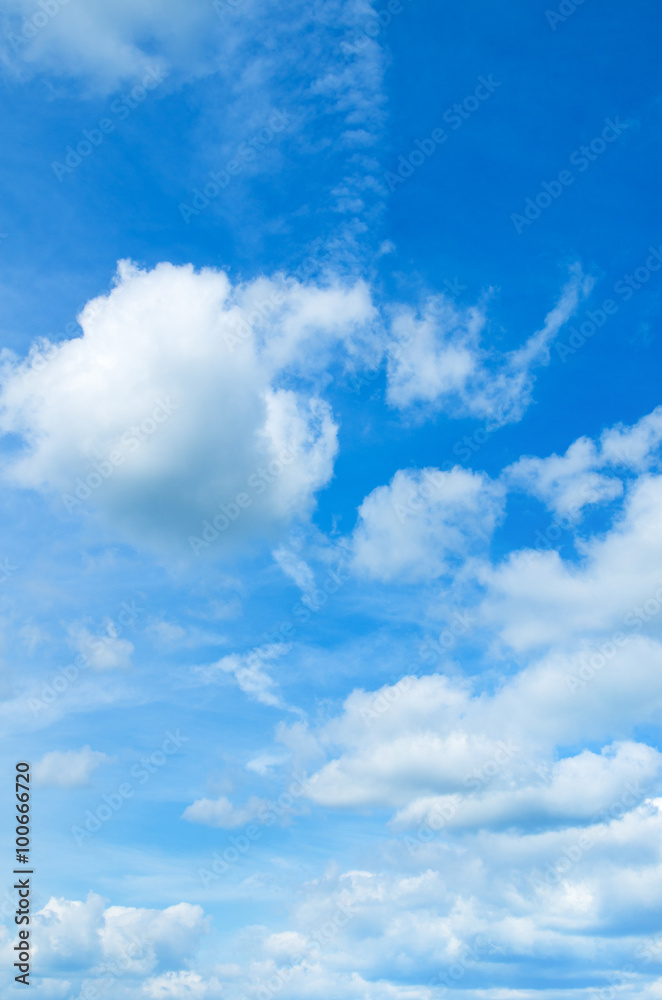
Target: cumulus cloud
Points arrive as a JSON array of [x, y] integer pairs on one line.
[[493, 756], [181, 986], [636, 447], [565, 483], [117, 939], [537, 598], [164, 415], [69, 768], [160, 938], [436, 359], [222, 813], [570, 792], [424, 523], [493, 902], [434, 356], [568, 483], [69, 931]]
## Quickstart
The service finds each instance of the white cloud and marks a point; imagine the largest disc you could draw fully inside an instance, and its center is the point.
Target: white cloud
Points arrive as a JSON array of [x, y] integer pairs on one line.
[[572, 791], [152, 939], [102, 652], [164, 417], [286, 944], [537, 598], [500, 902], [570, 482], [222, 813], [265, 762], [166, 633], [636, 447], [436, 360], [181, 986], [434, 356], [103, 46], [477, 904], [69, 768], [249, 671], [424, 523], [494, 755], [116, 940], [296, 568], [311, 321], [97, 48], [69, 930], [566, 484]]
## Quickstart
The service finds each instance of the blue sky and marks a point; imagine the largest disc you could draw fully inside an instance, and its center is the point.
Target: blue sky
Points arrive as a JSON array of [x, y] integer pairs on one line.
[[331, 568]]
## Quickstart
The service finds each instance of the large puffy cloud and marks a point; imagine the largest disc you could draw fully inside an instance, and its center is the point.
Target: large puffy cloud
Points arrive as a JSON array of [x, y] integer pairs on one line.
[[436, 359], [424, 523], [572, 791], [484, 908], [494, 755], [163, 938], [116, 940], [69, 932], [164, 415]]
